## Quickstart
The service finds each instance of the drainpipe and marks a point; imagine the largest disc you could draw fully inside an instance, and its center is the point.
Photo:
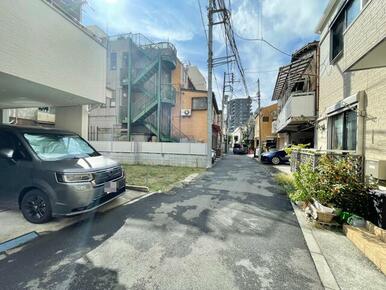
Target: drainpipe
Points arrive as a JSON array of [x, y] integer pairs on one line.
[[159, 98], [129, 80], [361, 133], [317, 88]]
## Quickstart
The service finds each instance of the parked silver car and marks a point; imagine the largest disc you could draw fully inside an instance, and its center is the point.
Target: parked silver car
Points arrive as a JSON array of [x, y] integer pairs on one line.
[[49, 172]]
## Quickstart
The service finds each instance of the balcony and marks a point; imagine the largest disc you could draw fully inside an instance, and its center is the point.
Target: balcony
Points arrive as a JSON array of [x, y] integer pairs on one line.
[[365, 39], [47, 58], [298, 110]]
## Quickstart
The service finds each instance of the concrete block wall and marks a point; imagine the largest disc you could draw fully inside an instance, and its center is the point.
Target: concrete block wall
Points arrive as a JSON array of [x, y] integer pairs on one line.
[[148, 153], [337, 84]]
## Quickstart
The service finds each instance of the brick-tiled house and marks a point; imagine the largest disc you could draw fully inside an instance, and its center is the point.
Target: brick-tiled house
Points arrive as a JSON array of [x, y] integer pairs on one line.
[[296, 95], [352, 95]]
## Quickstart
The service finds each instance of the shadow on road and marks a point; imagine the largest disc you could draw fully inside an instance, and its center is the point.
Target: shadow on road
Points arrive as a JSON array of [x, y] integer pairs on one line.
[[52, 257]]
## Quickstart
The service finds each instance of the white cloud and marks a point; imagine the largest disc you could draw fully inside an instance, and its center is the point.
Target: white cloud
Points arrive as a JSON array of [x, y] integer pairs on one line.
[[288, 24], [153, 19]]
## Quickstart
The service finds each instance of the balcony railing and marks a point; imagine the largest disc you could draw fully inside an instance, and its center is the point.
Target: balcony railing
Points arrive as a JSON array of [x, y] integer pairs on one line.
[[299, 108]]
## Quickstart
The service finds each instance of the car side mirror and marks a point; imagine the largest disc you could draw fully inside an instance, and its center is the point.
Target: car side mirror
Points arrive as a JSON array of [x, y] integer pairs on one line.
[[7, 154]]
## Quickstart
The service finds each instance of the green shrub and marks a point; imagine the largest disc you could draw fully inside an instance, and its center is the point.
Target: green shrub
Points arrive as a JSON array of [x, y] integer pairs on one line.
[[289, 150], [334, 182], [304, 180], [286, 181]]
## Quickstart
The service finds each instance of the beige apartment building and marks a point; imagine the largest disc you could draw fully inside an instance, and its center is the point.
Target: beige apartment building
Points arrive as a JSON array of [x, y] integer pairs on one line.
[[352, 110], [266, 116]]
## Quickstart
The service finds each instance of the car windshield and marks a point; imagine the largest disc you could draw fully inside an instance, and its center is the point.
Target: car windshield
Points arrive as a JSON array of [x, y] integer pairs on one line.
[[50, 147]]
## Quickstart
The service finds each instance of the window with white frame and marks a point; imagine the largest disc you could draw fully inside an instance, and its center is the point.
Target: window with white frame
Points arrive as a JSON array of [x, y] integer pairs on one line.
[[343, 131]]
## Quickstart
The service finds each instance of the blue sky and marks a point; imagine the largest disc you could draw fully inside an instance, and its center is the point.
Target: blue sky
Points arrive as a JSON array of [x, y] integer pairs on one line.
[[288, 24]]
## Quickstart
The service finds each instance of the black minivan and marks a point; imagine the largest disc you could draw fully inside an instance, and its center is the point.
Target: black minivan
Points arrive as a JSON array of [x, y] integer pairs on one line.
[[50, 172]]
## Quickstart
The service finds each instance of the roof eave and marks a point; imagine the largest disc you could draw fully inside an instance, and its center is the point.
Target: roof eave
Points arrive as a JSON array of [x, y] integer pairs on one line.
[[325, 16]]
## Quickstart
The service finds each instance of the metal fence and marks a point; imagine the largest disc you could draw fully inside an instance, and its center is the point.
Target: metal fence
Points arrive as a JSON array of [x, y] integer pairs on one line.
[[97, 133], [313, 156]]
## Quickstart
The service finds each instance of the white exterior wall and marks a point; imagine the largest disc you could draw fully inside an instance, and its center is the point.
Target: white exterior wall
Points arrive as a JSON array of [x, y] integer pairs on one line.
[[336, 84], [74, 119], [40, 45]]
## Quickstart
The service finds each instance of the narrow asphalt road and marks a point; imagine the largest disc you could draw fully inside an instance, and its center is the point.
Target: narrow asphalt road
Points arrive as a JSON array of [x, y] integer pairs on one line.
[[232, 228]]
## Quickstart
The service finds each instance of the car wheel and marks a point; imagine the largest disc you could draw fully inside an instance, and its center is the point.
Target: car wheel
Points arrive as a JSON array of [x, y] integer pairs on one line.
[[36, 207], [275, 160]]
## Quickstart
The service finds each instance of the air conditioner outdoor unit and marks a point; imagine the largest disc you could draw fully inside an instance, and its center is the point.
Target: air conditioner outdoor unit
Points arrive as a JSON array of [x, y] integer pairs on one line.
[[186, 112], [376, 168]]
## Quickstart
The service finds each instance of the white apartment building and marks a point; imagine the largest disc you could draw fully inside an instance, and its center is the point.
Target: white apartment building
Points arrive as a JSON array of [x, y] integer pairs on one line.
[[48, 59]]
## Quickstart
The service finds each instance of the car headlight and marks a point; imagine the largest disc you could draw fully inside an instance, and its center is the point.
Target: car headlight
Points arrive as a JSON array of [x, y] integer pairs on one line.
[[74, 177]]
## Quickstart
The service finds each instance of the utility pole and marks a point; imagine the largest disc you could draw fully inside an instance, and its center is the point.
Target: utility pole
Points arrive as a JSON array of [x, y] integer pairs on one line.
[[210, 68], [226, 125], [222, 113], [259, 110]]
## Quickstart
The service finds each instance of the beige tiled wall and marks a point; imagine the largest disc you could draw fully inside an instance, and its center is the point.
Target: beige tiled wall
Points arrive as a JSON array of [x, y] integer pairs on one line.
[[335, 84]]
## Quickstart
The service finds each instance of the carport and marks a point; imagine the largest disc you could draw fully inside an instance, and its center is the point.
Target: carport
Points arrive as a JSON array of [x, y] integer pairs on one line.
[[49, 60]]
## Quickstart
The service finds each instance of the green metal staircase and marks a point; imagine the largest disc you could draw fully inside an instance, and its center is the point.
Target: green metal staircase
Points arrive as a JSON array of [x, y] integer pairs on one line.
[[141, 78], [142, 111], [153, 129], [146, 74]]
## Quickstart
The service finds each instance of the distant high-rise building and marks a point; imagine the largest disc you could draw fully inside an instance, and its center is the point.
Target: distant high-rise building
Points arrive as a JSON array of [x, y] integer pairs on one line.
[[239, 111]]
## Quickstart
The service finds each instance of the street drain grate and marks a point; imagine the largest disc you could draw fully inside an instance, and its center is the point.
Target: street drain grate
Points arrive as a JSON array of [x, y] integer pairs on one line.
[[16, 242]]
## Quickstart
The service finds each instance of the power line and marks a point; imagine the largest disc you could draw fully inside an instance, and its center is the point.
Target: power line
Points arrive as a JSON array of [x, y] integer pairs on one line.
[[262, 40], [206, 36], [221, 8]]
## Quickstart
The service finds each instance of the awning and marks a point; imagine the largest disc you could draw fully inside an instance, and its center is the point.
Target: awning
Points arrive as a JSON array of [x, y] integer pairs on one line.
[[288, 75]]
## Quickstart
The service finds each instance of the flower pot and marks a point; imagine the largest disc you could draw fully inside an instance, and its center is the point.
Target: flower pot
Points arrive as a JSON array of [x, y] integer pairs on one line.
[[322, 213]]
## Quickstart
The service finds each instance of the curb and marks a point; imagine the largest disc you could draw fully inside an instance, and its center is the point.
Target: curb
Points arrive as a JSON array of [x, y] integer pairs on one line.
[[324, 271], [137, 187]]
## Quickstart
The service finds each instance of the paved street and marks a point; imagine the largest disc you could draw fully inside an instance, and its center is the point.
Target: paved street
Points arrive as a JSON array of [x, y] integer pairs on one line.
[[230, 229]]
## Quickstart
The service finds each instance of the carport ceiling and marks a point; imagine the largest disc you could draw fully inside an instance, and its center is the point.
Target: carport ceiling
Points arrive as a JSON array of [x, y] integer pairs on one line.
[[20, 93]]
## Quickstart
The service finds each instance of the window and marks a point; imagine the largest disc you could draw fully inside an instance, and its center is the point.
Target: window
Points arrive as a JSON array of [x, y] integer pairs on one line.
[[345, 18], [352, 11], [113, 103], [9, 141], [343, 134], [113, 61], [299, 86], [199, 103], [337, 37], [265, 119], [50, 147]]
